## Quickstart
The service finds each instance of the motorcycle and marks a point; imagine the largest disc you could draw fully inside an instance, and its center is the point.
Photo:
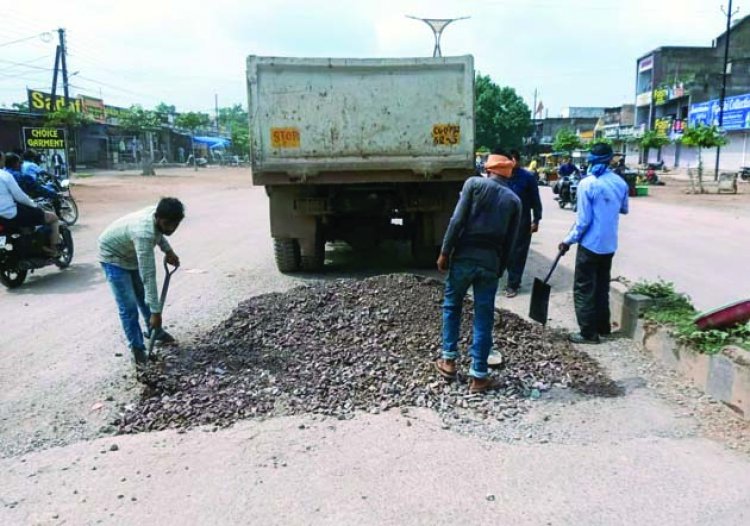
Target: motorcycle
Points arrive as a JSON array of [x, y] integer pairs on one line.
[[21, 251], [63, 204], [744, 173], [567, 191]]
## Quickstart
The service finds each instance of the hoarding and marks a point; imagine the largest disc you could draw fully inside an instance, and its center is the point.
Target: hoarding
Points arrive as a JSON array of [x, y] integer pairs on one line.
[[43, 138], [736, 113]]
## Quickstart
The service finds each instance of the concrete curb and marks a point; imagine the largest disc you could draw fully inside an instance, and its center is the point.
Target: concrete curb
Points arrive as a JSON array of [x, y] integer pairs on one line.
[[724, 376]]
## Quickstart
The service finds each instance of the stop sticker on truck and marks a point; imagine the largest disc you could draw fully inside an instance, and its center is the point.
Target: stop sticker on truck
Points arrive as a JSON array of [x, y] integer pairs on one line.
[[285, 137], [446, 134]]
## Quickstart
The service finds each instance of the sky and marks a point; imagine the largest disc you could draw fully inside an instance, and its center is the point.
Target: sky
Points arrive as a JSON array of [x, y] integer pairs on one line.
[[574, 52]]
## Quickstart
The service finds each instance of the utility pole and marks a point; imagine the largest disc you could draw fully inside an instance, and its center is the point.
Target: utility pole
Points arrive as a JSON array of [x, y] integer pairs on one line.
[[64, 65], [53, 98], [723, 97]]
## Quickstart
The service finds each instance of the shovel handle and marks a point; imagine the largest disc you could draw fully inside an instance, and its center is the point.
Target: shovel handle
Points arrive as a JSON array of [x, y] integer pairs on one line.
[[554, 266]]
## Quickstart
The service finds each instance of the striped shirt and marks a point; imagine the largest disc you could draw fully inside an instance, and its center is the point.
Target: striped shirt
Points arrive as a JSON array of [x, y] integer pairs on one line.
[[129, 243]]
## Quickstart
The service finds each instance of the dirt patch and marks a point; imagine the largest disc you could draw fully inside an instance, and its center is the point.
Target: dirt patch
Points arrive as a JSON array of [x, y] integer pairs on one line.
[[348, 346]]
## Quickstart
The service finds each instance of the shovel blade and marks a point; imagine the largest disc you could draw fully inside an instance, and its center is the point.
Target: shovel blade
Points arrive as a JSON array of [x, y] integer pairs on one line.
[[539, 301]]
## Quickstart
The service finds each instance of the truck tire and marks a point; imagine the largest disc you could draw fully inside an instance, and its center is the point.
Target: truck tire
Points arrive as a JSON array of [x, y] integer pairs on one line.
[[287, 255]]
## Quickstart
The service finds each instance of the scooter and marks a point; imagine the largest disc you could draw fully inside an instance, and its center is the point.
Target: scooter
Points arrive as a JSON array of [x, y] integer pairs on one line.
[[567, 190]]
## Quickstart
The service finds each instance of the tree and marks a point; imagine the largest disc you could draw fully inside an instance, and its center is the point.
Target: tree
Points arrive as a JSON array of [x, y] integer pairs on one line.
[[20, 106], [502, 117], [651, 139], [163, 107], [700, 137], [191, 121], [236, 119], [142, 122], [566, 140]]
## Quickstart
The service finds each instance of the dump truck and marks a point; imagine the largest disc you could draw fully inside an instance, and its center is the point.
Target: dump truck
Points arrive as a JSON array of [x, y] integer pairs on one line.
[[359, 150]]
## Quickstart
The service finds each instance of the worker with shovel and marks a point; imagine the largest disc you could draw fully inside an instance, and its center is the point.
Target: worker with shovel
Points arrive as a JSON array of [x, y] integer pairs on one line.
[[602, 197], [126, 253], [475, 253]]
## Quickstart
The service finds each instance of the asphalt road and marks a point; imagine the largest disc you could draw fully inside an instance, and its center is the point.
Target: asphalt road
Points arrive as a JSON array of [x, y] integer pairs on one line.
[[658, 455]]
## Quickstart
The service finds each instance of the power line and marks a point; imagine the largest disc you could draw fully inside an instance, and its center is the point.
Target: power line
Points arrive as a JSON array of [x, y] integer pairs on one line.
[[23, 39], [25, 65]]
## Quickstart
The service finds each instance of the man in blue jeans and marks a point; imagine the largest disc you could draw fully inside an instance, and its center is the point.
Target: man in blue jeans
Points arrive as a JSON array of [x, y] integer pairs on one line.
[[126, 253], [475, 252]]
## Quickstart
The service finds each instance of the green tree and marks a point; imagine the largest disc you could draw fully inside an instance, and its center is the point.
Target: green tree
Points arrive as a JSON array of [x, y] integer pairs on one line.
[[142, 123], [502, 117], [20, 106], [651, 139], [566, 140], [163, 107], [700, 137], [191, 121], [236, 119]]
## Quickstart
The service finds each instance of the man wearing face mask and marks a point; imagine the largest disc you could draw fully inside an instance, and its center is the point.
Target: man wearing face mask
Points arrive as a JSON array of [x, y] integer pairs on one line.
[[475, 252], [602, 197], [126, 253]]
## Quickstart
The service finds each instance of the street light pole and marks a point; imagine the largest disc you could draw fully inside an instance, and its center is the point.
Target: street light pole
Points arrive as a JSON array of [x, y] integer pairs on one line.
[[724, 83], [437, 25]]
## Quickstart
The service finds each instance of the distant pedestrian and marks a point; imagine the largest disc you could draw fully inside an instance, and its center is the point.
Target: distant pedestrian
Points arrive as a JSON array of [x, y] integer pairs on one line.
[[126, 253], [475, 252], [181, 154], [524, 184], [602, 197]]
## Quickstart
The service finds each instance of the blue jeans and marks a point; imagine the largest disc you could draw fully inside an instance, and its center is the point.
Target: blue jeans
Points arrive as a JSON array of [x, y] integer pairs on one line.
[[462, 275], [127, 288]]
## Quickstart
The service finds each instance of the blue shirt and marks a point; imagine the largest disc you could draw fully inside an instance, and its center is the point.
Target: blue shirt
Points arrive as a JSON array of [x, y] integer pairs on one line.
[[601, 200], [567, 169], [524, 185], [30, 169]]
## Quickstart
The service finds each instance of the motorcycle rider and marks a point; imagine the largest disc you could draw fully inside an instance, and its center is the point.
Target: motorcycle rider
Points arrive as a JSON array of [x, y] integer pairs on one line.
[[566, 171], [27, 177], [20, 209]]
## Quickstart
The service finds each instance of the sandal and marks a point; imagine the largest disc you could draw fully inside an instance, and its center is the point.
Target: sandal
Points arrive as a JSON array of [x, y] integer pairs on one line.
[[511, 293], [440, 366]]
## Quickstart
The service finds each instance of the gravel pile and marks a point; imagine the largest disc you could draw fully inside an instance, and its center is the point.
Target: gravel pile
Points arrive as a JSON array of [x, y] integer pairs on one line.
[[344, 346]]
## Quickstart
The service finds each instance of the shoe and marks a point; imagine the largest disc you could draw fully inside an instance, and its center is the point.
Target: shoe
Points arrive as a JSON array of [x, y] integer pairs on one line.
[[511, 293], [482, 385], [495, 360], [162, 336], [581, 339]]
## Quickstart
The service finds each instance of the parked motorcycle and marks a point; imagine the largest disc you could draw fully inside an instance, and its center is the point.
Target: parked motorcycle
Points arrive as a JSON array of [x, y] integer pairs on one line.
[[21, 251], [744, 173], [63, 205]]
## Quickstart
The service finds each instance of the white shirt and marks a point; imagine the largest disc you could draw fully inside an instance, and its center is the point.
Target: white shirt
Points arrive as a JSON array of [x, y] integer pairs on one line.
[[10, 193]]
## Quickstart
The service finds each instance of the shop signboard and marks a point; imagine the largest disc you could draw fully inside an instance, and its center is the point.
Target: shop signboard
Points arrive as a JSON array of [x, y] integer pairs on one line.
[[661, 96], [40, 102], [38, 138], [736, 113], [94, 108], [645, 64], [644, 99], [663, 126]]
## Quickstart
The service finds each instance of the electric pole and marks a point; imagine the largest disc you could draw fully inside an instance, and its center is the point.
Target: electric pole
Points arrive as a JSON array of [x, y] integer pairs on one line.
[[723, 96], [53, 97], [64, 65]]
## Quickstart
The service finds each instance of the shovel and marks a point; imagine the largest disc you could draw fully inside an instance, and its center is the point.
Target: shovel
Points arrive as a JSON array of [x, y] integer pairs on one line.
[[162, 301], [540, 295]]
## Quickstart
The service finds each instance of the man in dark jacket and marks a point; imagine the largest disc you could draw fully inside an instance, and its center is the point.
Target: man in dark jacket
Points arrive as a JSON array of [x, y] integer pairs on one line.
[[476, 248], [524, 184]]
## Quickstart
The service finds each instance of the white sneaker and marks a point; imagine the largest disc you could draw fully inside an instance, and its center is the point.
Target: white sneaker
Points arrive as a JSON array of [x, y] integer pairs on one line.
[[495, 360]]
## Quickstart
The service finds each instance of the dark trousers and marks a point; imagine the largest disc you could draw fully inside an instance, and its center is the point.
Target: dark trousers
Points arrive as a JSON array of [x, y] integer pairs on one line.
[[519, 254], [591, 292]]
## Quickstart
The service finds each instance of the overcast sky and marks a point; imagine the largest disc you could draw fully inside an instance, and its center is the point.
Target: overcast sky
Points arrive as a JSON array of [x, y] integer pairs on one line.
[[575, 52]]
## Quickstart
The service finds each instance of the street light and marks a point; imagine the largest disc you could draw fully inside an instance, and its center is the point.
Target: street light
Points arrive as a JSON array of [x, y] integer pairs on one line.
[[437, 25]]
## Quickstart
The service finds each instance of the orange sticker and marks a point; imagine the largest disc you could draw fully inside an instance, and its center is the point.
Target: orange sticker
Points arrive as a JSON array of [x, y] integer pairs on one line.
[[446, 134], [284, 137]]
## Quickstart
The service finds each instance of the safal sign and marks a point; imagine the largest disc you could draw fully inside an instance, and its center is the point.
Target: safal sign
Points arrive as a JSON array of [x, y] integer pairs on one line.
[[44, 138], [41, 102]]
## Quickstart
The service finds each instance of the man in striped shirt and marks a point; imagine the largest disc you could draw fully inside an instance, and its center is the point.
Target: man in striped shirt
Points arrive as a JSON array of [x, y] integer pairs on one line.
[[126, 253]]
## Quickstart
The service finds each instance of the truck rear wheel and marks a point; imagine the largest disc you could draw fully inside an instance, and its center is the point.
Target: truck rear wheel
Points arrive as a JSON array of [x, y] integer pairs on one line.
[[287, 255]]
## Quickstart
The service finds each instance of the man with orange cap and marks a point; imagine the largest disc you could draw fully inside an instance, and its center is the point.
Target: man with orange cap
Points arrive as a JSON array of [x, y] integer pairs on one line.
[[475, 251]]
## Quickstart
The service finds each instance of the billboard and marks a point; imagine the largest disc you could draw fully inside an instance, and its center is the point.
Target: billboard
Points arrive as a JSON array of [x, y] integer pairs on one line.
[[40, 102], [736, 113], [43, 138], [94, 108]]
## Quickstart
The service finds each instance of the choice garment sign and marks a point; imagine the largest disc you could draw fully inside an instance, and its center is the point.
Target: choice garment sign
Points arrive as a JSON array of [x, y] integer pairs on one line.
[[44, 138], [736, 113]]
